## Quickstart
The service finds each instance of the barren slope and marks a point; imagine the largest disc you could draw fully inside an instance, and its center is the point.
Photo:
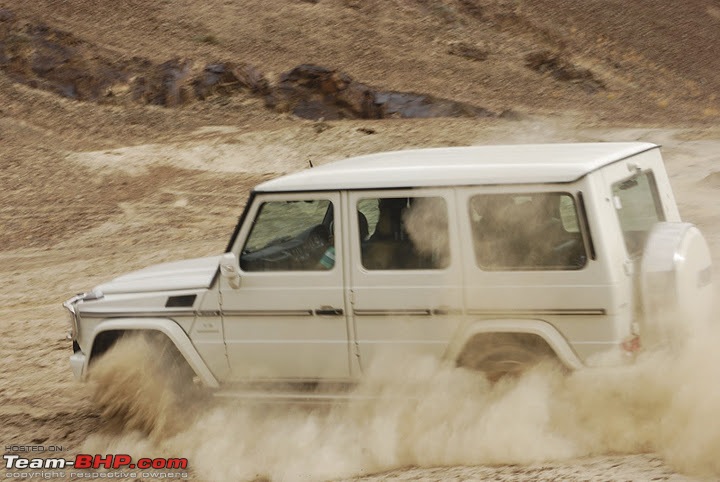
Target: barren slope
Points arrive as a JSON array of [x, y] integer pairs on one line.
[[88, 191], [653, 58]]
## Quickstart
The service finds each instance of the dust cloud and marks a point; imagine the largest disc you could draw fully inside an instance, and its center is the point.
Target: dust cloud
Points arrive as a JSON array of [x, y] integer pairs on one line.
[[426, 222], [413, 411], [417, 412], [135, 389]]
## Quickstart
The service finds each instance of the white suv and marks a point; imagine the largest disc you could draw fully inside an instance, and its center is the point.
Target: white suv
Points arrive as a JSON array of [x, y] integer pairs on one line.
[[489, 257]]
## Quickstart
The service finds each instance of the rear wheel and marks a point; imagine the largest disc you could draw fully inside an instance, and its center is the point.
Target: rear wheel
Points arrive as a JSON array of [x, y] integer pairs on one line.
[[498, 355]]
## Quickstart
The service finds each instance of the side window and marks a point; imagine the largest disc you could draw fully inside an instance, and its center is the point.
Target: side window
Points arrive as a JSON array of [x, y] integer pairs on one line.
[[291, 236], [403, 233], [528, 231], [638, 207]]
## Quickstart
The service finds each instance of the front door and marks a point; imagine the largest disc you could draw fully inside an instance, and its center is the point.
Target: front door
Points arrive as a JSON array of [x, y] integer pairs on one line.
[[287, 320]]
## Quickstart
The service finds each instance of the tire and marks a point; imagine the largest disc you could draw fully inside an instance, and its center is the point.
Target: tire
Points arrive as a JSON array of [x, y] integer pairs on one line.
[[143, 383], [675, 284], [500, 355]]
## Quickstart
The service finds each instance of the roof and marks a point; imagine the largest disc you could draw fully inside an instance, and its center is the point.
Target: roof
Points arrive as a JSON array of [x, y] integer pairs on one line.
[[474, 165]]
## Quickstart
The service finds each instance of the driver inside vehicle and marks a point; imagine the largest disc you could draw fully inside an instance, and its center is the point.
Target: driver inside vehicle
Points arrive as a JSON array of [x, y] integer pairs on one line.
[[327, 260]]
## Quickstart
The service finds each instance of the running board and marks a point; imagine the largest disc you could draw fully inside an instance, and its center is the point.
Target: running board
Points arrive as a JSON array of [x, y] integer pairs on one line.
[[299, 397]]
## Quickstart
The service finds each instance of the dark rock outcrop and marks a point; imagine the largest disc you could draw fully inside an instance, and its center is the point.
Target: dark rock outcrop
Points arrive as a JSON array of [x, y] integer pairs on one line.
[[46, 58], [228, 78], [168, 84], [313, 92], [545, 61], [56, 61]]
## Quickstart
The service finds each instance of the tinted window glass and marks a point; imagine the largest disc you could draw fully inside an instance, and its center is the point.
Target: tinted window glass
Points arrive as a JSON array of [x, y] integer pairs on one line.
[[526, 231], [404, 233], [290, 236], [638, 207]]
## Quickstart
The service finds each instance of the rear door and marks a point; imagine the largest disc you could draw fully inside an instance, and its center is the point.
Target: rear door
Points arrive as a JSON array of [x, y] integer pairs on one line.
[[405, 272], [530, 255]]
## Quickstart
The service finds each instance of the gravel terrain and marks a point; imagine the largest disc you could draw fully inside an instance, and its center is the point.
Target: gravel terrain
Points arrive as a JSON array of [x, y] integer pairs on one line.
[[92, 189]]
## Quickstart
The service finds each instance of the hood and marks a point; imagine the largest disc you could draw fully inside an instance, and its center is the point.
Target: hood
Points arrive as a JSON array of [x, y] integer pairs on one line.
[[179, 275]]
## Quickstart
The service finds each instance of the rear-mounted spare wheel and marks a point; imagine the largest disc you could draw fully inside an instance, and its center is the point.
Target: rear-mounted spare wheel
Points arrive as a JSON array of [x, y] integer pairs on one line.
[[675, 283]]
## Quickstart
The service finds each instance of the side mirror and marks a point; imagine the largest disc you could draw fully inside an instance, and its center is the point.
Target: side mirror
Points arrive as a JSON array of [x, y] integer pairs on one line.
[[230, 270]]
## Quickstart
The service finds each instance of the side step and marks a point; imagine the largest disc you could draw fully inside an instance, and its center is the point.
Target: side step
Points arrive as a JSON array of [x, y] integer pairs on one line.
[[291, 397], [290, 393]]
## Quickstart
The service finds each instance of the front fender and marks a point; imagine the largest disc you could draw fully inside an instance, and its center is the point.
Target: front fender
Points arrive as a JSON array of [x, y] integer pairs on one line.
[[540, 328], [170, 329]]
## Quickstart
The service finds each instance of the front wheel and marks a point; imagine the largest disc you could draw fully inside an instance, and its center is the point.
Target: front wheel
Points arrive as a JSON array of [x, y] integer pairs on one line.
[[142, 382]]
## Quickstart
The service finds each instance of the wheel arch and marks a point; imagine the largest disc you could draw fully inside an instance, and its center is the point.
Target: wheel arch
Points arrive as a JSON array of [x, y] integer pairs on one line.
[[531, 327], [167, 327]]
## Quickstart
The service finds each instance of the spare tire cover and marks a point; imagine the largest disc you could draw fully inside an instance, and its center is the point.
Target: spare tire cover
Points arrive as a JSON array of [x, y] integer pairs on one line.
[[675, 283]]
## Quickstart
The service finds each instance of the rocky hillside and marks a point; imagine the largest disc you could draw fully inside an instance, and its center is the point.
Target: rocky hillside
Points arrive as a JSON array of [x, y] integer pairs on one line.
[[99, 74], [650, 61]]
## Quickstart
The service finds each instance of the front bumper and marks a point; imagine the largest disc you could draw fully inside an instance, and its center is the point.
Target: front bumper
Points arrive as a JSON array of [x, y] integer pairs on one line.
[[78, 359], [69, 305], [77, 364]]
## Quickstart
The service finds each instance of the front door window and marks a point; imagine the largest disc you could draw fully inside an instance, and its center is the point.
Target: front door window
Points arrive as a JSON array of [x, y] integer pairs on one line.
[[291, 236]]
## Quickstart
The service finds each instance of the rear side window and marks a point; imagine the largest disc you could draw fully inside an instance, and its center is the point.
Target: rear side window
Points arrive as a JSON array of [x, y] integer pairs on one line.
[[402, 233], [638, 207], [526, 231]]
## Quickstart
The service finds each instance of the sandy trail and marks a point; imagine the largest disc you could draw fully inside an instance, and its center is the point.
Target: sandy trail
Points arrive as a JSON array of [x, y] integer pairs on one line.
[[425, 415], [652, 421]]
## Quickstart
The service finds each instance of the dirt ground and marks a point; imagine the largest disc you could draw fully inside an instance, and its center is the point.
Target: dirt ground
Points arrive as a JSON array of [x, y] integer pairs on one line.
[[89, 191], [172, 200]]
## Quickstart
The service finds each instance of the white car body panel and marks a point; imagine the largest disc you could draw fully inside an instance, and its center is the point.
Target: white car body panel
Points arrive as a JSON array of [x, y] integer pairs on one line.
[[536, 327], [271, 323], [396, 311], [460, 166], [328, 325], [179, 275], [170, 329]]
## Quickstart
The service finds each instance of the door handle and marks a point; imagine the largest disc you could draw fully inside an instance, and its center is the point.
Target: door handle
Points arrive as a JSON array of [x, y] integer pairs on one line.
[[445, 310], [329, 311]]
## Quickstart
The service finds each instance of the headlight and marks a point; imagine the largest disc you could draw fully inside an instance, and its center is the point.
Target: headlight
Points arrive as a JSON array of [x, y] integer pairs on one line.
[[70, 306]]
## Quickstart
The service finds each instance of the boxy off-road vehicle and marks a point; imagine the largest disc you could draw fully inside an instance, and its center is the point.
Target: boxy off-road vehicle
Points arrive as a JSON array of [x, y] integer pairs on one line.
[[490, 257]]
